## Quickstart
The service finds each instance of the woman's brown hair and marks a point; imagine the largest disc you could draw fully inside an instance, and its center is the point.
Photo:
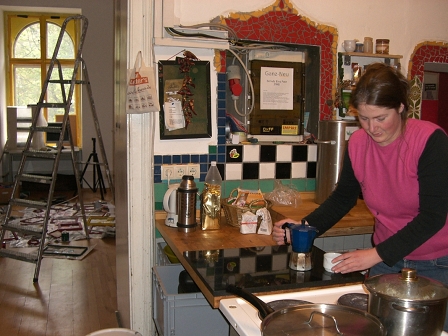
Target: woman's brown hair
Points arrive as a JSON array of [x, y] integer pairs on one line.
[[384, 86]]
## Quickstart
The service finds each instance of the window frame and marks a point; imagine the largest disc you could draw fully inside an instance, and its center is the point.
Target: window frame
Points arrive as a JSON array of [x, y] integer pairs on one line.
[[13, 30]]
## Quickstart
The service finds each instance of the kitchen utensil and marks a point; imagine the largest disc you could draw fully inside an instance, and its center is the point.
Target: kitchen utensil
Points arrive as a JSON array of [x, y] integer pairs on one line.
[[408, 304], [349, 45], [170, 206], [354, 300], [328, 258], [186, 204], [312, 319], [301, 238]]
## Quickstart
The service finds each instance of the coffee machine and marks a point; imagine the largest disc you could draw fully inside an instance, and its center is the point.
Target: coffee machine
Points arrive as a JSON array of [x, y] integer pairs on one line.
[[301, 238]]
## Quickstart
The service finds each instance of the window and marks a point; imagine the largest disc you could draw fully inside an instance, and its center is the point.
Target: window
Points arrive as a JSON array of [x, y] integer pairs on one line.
[[31, 40]]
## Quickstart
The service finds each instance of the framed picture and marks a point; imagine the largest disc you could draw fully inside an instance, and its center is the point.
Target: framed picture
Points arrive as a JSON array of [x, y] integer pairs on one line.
[[60, 250], [185, 102]]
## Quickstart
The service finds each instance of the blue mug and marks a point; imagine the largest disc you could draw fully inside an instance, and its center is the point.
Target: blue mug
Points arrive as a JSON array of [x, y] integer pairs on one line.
[[301, 236]]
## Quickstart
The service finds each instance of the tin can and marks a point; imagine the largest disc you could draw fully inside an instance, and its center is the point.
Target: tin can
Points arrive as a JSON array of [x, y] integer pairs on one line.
[[382, 46], [65, 236]]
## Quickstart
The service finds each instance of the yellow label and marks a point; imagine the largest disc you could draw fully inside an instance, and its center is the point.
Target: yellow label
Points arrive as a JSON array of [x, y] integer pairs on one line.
[[290, 129]]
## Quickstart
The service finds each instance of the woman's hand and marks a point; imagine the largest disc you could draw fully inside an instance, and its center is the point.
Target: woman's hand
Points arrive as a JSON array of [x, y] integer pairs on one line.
[[359, 260], [278, 234]]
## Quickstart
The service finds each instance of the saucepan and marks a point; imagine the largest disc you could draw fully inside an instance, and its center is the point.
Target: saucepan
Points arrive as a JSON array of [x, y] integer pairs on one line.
[[312, 319]]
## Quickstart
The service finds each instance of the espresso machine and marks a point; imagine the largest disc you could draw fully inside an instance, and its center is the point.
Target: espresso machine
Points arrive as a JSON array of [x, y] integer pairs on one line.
[[301, 238]]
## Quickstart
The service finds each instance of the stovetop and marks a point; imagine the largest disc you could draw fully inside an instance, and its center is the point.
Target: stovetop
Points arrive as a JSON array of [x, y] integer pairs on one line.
[[262, 270], [245, 320]]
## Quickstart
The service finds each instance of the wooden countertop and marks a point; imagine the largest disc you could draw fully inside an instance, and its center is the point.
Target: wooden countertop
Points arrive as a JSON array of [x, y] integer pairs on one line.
[[357, 221]]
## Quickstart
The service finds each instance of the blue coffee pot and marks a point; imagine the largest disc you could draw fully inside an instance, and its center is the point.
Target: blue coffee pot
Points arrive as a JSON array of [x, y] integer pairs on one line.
[[301, 238]]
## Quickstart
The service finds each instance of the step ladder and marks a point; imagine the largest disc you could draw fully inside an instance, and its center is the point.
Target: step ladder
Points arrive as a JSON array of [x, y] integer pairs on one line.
[[39, 232]]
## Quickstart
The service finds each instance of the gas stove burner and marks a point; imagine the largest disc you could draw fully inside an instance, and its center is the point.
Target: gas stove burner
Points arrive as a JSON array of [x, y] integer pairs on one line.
[[283, 304], [354, 300]]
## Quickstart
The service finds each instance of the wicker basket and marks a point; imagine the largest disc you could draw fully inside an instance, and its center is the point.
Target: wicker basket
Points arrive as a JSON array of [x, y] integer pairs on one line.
[[234, 213]]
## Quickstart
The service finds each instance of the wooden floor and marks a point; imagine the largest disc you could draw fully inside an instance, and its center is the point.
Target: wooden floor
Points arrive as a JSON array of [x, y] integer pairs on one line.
[[72, 297]]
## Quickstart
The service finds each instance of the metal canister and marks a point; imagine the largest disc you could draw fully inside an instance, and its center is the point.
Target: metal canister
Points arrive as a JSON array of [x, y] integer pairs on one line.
[[186, 204], [331, 142]]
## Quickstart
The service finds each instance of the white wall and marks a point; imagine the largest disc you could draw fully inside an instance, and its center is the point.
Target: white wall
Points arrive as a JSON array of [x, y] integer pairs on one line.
[[404, 22]]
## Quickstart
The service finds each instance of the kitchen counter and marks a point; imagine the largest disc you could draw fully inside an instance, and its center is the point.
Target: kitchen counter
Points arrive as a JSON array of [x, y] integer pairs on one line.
[[358, 221]]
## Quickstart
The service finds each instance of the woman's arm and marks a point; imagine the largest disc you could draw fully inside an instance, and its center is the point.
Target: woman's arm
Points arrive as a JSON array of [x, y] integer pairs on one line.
[[340, 202]]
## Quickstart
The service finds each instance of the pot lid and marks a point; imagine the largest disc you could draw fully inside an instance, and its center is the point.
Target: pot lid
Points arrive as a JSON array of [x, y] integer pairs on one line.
[[321, 319], [407, 286]]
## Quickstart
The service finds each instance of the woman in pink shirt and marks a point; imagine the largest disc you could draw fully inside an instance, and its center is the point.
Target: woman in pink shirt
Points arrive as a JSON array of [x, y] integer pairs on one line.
[[401, 167]]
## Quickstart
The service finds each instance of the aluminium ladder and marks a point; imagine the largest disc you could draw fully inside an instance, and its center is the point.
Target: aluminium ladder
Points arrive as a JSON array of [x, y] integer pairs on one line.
[[39, 232]]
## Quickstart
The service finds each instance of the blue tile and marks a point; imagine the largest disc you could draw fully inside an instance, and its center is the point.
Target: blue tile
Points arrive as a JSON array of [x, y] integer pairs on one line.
[[167, 159], [222, 113], [222, 104], [203, 158], [222, 77], [222, 140], [194, 158], [221, 158], [222, 86], [157, 178], [221, 122], [157, 159], [221, 95], [177, 159], [221, 149], [204, 168], [157, 169], [212, 157], [221, 131], [186, 158]]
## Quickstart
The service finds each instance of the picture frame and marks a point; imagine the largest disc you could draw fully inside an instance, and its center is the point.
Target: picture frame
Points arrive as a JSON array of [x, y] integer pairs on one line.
[[61, 250], [170, 79]]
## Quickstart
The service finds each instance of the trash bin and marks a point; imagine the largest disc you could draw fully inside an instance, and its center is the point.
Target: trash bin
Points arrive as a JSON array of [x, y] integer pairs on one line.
[[332, 139], [115, 332]]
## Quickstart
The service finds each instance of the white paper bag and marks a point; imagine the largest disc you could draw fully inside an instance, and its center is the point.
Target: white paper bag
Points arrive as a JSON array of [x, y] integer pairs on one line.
[[141, 92]]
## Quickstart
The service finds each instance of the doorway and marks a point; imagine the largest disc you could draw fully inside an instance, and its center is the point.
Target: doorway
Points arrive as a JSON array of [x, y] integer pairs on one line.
[[434, 94]]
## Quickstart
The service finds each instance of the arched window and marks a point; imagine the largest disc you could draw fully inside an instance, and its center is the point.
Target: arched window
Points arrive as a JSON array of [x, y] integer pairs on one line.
[[31, 43]]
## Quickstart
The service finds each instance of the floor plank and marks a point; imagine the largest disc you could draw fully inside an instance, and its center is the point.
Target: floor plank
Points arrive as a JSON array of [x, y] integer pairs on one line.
[[71, 298]]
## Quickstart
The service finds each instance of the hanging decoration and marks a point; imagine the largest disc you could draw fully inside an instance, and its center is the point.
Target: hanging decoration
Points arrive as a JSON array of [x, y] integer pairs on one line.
[[185, 64]]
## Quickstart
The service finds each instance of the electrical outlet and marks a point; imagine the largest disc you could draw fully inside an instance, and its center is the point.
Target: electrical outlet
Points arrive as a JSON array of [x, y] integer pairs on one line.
[[194, 169], [180, 171], [168, 172]]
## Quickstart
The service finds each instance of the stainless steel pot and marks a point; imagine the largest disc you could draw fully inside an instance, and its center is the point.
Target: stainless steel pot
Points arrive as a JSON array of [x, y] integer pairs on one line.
[[312, 319], [408, 304]]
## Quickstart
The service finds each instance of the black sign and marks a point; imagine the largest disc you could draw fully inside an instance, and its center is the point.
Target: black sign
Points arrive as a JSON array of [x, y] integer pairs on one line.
[[431, 87]]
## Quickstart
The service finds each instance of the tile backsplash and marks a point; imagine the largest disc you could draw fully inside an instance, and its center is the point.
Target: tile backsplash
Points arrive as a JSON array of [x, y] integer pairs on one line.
[[252, 166]]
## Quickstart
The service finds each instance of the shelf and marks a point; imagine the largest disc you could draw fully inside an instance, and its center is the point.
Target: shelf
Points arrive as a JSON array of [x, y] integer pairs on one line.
[[357, 54]]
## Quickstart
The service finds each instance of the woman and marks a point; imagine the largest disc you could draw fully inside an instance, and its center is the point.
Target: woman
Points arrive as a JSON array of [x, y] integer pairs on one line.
[[401, 167]]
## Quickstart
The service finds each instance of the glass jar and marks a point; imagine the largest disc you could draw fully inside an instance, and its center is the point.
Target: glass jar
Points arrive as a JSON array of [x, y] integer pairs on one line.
[[368, 45], [382, 46]]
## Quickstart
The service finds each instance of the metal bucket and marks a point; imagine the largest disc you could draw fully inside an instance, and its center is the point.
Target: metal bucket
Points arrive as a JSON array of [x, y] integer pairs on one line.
[[332, 138]]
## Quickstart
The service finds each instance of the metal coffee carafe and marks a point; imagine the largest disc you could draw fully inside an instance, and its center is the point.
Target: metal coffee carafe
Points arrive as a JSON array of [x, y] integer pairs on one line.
[[302, 238], [186, 204]]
